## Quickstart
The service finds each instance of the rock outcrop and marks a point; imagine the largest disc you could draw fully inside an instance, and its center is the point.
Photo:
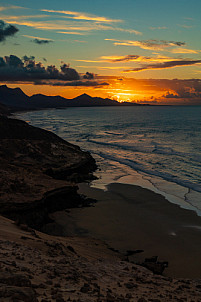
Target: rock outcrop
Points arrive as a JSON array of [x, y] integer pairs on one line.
[[37, 172]]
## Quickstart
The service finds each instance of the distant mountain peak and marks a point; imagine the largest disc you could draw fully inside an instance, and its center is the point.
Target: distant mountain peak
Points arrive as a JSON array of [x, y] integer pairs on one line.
[[84, 95]]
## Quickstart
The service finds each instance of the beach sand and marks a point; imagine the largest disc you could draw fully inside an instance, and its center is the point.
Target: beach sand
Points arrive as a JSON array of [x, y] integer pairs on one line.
[[37, 267], [129, 217]]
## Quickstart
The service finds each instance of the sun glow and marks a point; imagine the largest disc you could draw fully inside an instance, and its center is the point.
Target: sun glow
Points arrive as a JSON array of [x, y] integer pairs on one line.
[[124, 96]]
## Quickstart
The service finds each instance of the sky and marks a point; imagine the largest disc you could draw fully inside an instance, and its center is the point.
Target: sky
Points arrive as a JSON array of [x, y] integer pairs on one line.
[[145, 51]]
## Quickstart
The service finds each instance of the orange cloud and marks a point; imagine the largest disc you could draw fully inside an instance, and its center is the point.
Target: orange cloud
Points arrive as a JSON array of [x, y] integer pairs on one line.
[[89, 61], [82, 16], [67, 27], [147, 44], [135, 58], [2, 8], [185, 50], [39, 38], [164, 65], [71, 33]]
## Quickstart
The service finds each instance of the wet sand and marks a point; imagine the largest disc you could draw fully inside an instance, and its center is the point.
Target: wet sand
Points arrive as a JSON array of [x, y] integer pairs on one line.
[[129, 217]]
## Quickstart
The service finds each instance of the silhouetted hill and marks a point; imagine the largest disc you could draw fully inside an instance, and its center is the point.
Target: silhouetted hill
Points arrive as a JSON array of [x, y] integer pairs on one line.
[[44, 101], [87, 100], [16, 99]]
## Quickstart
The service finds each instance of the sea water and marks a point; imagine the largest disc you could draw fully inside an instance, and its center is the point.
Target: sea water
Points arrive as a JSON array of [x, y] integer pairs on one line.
[[156, 147]]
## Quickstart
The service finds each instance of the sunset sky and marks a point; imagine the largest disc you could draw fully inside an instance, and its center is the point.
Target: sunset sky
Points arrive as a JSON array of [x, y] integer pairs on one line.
[[135, 50]]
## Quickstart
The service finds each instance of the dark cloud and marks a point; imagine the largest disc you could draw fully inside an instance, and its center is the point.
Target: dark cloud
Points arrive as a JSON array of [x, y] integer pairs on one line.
[[69, 73], [13, 61], [13, 68], [178, 43], [169, 64], [169, 95], [7, 31], [40, 41], [165, 43], [73, 83], [89, 75], [184, 89], [126, 58], [27, 59]]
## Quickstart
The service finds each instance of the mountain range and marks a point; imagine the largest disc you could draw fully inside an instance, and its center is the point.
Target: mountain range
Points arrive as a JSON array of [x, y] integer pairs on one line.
[[16, 99]]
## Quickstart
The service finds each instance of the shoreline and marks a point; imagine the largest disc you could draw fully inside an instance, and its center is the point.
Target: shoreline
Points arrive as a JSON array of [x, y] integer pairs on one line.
[[39, 267], [128, 217], [173, 192], [60, 231]]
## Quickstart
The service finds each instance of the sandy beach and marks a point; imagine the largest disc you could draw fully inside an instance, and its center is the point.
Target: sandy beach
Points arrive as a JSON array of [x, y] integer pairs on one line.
[[129, 217], [36, 267]]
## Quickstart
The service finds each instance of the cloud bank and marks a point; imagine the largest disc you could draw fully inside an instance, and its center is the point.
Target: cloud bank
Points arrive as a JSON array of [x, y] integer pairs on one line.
[[184, 89], [14, 69]]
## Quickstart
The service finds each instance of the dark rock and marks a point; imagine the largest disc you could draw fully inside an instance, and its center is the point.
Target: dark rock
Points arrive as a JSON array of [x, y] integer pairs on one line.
[[131, 252], [14, 279], [32, 164], [85, 288], [60, 299], [110, 298], [152, 259], [113, 249], [157, 267], [36, 214], [130, 285], [70, 248], [25, 294]]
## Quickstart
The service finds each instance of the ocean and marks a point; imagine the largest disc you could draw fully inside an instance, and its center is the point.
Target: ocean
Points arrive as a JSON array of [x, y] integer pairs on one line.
[[156, 147]]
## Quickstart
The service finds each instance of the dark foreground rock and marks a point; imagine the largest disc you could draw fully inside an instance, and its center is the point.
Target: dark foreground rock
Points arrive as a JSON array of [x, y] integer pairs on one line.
[[37, 169], [155, 266], [4, 110]]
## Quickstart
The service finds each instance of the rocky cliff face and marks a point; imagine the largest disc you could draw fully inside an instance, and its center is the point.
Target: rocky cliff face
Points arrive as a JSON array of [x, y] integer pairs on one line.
[[37, 169]]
